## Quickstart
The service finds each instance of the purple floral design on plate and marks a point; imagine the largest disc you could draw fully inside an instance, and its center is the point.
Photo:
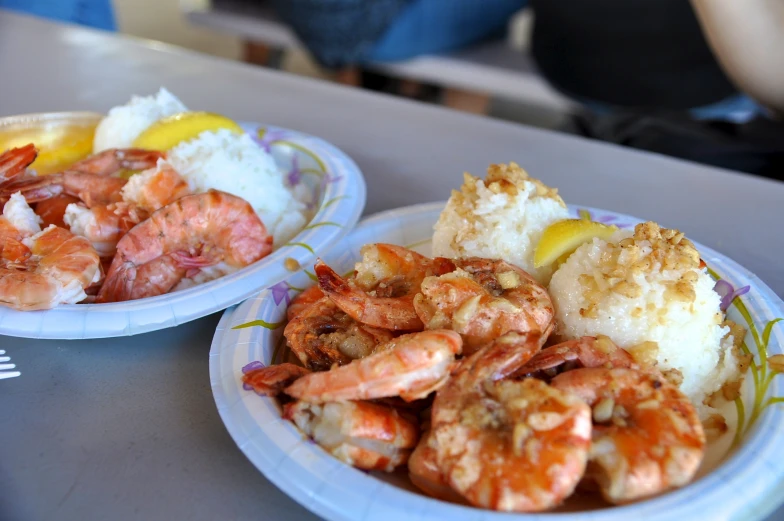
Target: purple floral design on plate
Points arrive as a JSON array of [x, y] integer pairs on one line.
[[248, 368], [329, 178], [612, 220], [295, 174], [280, 292], [728, 293], [265, 138]]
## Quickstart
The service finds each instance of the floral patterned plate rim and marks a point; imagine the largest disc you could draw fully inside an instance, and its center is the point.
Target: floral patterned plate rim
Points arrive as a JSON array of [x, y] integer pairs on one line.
[[336, 190], [743, 474]]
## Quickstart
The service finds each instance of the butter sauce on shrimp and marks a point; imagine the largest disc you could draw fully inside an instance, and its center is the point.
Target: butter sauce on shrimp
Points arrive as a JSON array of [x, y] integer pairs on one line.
[[382, 292], [321, 335], [647, 438], [411, 366], [366, 435], [509, 445], [483, 300]]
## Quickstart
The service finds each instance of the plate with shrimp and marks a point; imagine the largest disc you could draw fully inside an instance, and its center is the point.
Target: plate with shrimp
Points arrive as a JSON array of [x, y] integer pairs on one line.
[[387, 383], [131, 240]]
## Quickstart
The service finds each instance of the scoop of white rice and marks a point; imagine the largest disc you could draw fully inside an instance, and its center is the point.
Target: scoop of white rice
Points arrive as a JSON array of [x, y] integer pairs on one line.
[[223, 160], [123, 124], [502, 217], [646, 291]]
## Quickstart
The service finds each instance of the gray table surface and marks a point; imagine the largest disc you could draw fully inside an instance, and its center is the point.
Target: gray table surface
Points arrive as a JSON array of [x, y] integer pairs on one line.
[[127, 428]]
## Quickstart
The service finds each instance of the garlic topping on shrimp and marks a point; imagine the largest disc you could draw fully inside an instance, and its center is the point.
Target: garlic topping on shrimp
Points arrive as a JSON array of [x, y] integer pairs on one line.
[[588, 351], [382, 292], [504, 444], [411, 366], [647, 438], [366, 435], [321, 335], [482, 300]]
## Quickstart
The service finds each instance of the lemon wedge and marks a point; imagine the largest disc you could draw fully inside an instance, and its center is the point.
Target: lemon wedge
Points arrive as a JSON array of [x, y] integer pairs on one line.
[[561, 238], [170, 131]]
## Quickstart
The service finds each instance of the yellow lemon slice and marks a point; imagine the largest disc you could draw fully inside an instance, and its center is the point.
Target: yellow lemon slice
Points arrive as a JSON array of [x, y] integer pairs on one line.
[[561, 238], [169, 132]]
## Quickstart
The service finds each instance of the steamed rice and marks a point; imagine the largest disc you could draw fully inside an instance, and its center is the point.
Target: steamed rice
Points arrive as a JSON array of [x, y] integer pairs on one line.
[[646, 291], [126, 122], [502, 217], [222, 160]]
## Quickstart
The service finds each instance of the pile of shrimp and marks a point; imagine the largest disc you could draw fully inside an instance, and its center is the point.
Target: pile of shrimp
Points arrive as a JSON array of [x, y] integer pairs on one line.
[[443, 366], [109, 236]]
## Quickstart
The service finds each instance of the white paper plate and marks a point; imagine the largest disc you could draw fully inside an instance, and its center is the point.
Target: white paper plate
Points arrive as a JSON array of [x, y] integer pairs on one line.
[[740, 483], [338, 198]]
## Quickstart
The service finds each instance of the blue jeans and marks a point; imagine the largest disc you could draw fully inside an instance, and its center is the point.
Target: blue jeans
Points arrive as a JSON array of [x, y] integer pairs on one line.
[[91, 13], [736, 109]]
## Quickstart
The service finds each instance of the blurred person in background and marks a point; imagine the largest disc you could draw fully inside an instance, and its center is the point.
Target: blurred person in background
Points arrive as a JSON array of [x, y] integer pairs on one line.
[[98, 14], [643, 69]]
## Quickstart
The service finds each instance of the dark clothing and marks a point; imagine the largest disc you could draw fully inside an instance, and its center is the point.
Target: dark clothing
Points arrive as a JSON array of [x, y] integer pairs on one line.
[[633, 53]]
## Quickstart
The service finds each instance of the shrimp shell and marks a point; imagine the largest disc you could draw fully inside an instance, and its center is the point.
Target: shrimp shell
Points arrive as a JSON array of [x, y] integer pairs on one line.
[[504, 444], [483, 300], [366, 435], [201, 229], [410, 366], [648, 436], [55, 268]]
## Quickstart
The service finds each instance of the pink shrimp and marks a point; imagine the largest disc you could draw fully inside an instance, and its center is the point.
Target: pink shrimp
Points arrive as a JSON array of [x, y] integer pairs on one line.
[[14, 162], [587, 351], [90, 179], [497, 441], [193, 232]]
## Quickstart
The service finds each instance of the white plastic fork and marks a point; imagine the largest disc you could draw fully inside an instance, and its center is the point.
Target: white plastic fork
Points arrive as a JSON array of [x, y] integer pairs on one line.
[[6, 369]]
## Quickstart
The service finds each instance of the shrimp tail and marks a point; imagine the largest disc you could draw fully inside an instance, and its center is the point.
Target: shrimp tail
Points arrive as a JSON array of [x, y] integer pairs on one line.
[[35, 189], [120, 287], [385, 313], [13, 162]]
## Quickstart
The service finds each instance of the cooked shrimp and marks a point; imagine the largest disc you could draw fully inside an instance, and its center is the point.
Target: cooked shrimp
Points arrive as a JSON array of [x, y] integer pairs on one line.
[[114, 160], [587, 351], [303, 301], [425, 474], [482, 300], [155, 187], [52, 267], [647, 438], [92, 189], [505, 444], [411, 366], [90, 179], [383, 289], [193, 232], [271, 380], [52, 210], [322, 335], [366, 435], [14, 162], [105, 225]]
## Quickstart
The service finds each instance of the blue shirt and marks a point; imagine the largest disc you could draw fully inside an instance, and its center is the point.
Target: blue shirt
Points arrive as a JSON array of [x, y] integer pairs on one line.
[[91, 13]]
